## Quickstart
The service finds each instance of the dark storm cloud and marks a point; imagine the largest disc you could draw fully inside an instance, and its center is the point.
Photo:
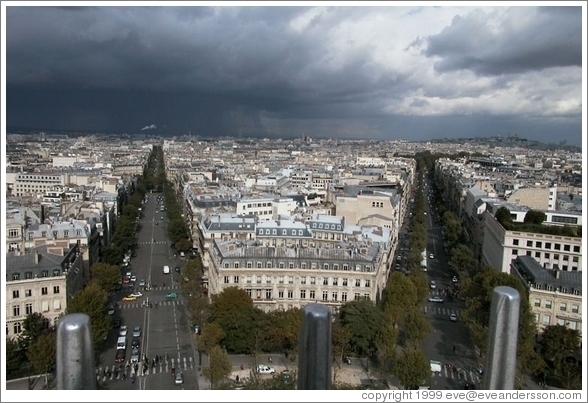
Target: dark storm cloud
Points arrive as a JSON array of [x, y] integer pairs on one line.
[[516, 44], [342, 71]]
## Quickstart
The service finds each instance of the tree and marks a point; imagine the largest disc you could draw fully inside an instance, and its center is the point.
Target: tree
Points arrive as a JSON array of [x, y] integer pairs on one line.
[[415, 327], [220, 366], [412, 368], [477, 315], [211, 336], [92, 301], [227, 301], [503, 217], [557, 342], [400, 294], [364, 321], [534, 217], [34, 325], [386, 345], [183, 244], [421, 285], [463, 260], [106, 275], [15, 359], [42, 352], [283, 330]]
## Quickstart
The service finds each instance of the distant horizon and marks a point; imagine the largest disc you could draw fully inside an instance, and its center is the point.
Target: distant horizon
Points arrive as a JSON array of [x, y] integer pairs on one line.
[[508, 136], [414, 71]]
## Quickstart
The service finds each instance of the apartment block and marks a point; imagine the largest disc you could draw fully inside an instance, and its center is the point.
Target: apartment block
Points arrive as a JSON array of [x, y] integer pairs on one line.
[[41, 281], [502, 247], [555, 296]]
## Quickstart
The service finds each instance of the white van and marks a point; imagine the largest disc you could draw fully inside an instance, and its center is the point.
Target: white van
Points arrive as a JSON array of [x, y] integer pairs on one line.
[[121, 343], [165, 269], [435, 366]]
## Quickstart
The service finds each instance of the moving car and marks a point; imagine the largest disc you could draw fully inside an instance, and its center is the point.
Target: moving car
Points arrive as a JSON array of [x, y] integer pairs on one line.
[[433, 284], [137, 331], [136, 294], [431, 256], [436, 299], [179, 379], [129, 298], [135, 343], [264, 369], [453, 317], [133, 279], [135, 354], [171, 295], [123, 330], [120, 355], [177, 269]]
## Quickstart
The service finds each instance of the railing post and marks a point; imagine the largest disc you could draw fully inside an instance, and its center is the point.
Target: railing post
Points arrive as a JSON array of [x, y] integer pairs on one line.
[[75, 353], [314, 346], [501, 354]]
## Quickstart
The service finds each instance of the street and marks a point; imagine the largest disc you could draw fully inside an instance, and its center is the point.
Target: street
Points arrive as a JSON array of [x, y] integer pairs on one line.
[[449, 341], [166, 335]]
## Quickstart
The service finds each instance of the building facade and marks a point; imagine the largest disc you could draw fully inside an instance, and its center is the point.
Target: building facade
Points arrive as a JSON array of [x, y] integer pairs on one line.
[[555, 296]]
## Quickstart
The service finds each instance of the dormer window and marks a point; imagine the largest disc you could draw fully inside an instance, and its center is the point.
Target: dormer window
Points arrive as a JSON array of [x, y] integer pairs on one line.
[[28, 275]]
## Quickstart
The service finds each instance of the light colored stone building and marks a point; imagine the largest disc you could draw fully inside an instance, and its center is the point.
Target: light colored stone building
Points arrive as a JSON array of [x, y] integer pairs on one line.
[[289, 263], [555, 296], [502, 247], [41, 281]]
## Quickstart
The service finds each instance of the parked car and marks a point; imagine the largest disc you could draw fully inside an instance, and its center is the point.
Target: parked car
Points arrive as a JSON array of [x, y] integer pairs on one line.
[[111, 310], [177, 269], [135, 343], [123, 331], [436, 299], [264, 369], [142, 283], [137, 331], [171, 295]]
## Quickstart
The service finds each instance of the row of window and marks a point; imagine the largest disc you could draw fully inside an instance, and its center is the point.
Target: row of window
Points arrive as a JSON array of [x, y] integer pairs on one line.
[[55, 234], [327, 226], [256, 205], [289, 294], [377, 204], [546, 321], [556, 246], [284, 232], [17, 327], [547, 255], [563, 306], [303, 265], [29, 293], [303, 280], [16, 311], [29, 274]]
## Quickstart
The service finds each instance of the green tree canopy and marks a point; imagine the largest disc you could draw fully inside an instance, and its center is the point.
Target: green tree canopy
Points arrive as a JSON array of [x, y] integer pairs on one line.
[[412, 368], [34, 326], [106, 275], [534, 217], [228, 301], [219, 368], [400, 294], [364, 321], [557, 342], [211, 336], [92, 301], [415, 328], [41, 353]]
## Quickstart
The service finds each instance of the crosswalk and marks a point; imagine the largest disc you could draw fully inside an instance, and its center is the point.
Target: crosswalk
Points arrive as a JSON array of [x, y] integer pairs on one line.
[[112, 372], [464, 375], [441, 310], [152, 243], [136, 304]]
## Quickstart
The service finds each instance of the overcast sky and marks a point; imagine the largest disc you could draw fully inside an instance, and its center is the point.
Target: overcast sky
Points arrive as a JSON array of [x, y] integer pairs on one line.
[[349, 72]]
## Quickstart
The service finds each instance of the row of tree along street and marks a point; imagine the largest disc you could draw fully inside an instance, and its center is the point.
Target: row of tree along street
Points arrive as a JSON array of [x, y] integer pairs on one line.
[[545, 357]]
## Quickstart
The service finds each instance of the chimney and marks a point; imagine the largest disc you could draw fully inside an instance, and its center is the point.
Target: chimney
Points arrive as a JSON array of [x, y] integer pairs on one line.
[[557, 273], [36, 257]]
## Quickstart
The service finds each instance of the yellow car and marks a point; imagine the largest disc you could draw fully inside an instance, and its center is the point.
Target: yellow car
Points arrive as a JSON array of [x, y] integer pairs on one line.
[[129, 298]]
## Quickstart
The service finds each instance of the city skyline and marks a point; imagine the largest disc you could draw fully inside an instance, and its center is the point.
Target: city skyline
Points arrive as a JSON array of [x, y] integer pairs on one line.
[[387, 72]]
